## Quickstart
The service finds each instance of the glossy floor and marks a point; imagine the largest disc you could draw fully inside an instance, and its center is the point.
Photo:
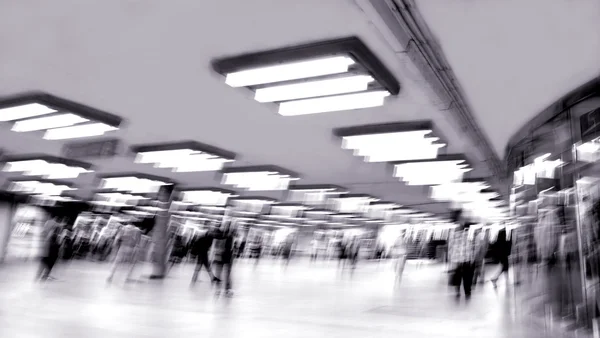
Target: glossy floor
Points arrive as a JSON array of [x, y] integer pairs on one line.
[[301, 300]]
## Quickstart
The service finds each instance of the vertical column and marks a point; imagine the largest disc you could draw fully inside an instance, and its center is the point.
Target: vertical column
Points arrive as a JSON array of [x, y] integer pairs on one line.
[[159, 232]]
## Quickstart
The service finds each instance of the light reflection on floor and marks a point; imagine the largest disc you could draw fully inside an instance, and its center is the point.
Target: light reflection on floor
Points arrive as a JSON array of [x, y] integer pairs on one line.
[[270, 300]]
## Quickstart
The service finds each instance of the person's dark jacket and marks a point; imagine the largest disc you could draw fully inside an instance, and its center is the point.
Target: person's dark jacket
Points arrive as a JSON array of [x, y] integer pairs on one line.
[[202, 244], [502, 247], [225, 246]]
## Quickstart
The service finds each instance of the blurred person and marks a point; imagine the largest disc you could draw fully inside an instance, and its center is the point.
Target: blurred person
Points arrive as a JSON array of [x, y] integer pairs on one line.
[[287, 248], [354, 252], [479, 274], [401, 251], [201, 248], [127, 241], [501, 249], [462, 250], [51, 248], [223, 257], [314, 251], [66, 240], [178, 250]]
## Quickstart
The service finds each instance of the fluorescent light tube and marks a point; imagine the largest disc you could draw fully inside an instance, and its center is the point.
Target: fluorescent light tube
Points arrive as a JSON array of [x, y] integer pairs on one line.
[[24, 111], [333, 103], [84, 130], [296, 91], [49, 122], [289, 71]]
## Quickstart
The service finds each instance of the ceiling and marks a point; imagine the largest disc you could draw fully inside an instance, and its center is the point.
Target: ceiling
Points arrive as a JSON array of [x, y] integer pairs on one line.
[[513, 58], [148, 61]]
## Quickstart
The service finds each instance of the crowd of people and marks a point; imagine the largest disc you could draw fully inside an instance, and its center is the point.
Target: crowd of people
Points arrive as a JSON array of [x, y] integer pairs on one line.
[[125, 241]]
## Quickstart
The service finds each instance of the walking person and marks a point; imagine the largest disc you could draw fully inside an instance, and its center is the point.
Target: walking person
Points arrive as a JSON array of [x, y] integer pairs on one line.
[[462, 250], [51, 249], [200, 249], [501, 248], [482, 247], [402, 253], [223, 259], [127, 241]]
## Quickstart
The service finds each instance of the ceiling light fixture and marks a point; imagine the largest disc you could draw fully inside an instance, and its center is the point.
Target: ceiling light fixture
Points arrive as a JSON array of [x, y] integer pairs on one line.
[[314, 195], [48, 167], [59, 118], [206, 196], [465, 191], [187, 156], [135, 183], [443, 169], [404, 141], [309, 79], [250, 204], [259, 178], [352, 203], [39, 187]]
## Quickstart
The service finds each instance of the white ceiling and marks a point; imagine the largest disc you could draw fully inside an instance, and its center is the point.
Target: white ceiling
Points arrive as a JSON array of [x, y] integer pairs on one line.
[[513, 58], [149, 62]]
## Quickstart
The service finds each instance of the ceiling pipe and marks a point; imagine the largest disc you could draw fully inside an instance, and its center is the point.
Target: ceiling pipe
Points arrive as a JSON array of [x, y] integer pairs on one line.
[[403, 22]]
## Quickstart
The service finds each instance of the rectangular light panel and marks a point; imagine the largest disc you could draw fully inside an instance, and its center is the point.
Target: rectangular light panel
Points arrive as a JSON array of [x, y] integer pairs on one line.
[[78, 131], [333, 103], [289, 71], [48, 122], [132, 184], [45, 169], [39, 188], [431, 172], [349, 84], [183, 160], [397, 146], [205, 197], [459, 191], [24, 111], [258, 180]]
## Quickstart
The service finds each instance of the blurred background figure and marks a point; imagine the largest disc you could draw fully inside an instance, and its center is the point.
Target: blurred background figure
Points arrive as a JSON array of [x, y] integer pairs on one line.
[[51, 248], [223, 256], [200, 248], [479, 274], [501, 248], [127, 242], [462, 250], [401, 251]]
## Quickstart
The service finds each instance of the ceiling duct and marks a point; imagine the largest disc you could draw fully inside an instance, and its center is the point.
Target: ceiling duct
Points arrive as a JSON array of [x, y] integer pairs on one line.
[[399, 19]]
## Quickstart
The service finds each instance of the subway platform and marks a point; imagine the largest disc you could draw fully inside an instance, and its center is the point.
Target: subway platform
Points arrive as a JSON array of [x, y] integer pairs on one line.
[[270, 300]]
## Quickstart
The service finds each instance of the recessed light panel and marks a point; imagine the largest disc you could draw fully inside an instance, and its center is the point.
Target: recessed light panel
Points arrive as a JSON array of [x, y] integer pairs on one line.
[[392, 141], [464, 191], [259, 178], [133, 183], [48, 167], [40, 187], [314, 78], [442, 170], [207, 196], [352, 203], [57, 118], [118, 198], [250, 204], [187, 156], [313, 195]]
